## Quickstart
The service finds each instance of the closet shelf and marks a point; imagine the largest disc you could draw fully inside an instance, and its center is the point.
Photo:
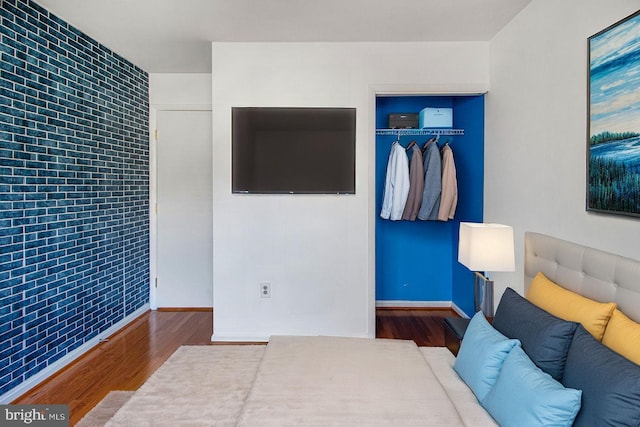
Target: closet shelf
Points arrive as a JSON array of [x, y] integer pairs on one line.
[[419, 132]]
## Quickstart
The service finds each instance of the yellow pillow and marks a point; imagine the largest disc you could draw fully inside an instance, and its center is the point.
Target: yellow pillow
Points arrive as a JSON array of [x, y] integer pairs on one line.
[[568, 305], [622, 336]]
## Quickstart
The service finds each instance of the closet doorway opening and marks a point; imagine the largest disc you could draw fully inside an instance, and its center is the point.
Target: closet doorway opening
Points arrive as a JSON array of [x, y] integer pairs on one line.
[[416, 260]]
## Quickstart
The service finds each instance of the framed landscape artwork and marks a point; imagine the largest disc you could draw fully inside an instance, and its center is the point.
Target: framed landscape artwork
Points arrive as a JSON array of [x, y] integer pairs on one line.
[[613, 146]]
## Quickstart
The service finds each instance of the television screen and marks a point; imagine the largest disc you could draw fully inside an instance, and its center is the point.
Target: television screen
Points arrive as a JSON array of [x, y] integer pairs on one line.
[[293, 150]]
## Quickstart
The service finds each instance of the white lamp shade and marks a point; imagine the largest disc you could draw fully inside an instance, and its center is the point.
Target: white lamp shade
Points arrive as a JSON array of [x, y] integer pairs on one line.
[[486, 247]]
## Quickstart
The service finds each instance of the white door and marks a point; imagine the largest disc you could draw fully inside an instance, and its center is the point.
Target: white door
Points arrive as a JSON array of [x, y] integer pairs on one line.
[[185, 229]]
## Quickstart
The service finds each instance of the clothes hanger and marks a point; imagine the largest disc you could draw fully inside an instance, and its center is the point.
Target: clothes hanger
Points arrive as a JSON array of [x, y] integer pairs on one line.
[[429, 142], [411, 144]]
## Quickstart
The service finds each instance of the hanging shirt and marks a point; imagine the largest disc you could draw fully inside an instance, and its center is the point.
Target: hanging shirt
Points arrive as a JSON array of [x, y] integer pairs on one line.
[[396, 188], [449, 193], [416, 187], [432, 182]]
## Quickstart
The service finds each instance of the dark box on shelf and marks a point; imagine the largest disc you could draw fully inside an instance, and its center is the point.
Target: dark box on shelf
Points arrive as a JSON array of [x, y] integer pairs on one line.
[[404, 121]]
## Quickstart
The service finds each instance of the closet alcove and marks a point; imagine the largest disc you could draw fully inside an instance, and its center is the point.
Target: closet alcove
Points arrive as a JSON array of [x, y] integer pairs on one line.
[[416, 261]]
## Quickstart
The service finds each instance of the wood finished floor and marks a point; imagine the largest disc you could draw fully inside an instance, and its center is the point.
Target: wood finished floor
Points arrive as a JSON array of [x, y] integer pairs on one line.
[[424, 326], [135, 352]]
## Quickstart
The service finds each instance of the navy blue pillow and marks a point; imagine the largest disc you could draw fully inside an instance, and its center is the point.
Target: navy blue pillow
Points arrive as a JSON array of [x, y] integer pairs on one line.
[[544, 337], [610, 383]]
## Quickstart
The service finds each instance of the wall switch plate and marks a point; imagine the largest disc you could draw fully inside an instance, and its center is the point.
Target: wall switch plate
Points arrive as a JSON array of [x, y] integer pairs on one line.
[[265, 290]]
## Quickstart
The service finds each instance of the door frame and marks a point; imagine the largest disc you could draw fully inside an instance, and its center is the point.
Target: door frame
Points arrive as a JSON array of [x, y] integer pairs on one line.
[[399, 89], [153, 188]]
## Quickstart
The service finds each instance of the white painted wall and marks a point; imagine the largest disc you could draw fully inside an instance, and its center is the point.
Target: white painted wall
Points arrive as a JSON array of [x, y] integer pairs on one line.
[[169, 91], [317, 251], [180, 90], [536, 129]]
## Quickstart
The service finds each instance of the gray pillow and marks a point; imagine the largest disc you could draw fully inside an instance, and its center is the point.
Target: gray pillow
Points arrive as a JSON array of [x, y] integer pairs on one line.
[[544, 337], [610, 383]]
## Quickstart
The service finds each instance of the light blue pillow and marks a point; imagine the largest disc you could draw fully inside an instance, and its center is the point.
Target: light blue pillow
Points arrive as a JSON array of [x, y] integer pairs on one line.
[[481, 355], [524, 395]]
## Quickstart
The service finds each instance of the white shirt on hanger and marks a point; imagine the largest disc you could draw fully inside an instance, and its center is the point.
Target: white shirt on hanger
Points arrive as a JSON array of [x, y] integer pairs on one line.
[[396, 189]]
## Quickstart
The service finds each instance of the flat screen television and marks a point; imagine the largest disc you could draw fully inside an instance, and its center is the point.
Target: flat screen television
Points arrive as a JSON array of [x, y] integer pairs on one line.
[[293, 150]]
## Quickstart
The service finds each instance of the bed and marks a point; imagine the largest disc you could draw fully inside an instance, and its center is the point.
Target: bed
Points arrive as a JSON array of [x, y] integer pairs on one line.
[[339, 381]]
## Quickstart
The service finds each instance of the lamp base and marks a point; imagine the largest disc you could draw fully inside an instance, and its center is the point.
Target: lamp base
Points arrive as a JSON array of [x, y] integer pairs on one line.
[[483, 294]]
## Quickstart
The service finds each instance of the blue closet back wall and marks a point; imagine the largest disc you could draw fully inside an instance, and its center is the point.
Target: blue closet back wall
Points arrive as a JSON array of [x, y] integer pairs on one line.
[[416, 261], [74, 189]]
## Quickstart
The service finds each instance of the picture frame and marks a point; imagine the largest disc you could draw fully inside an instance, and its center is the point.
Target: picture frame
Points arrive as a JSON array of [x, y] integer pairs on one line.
[[613, 119]]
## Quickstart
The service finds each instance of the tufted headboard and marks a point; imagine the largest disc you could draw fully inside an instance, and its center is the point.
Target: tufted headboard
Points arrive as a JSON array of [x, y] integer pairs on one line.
[[596, 274]]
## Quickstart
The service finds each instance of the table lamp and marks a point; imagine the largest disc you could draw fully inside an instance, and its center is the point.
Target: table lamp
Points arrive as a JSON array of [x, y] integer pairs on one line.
[[482, 248]]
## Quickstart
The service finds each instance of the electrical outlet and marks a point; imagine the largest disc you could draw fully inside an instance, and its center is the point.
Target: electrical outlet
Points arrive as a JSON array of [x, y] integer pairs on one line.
[[265, 290]]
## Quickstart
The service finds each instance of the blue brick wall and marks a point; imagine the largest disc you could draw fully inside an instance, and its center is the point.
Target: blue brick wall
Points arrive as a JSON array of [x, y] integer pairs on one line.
[[74, 189]]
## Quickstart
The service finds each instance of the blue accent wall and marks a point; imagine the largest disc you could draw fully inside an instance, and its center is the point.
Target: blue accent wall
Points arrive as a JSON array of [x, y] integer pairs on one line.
[[74, 189], [417, 260]]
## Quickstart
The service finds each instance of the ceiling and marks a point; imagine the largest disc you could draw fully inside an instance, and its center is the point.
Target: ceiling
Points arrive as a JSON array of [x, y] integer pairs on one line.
[[174, 36]]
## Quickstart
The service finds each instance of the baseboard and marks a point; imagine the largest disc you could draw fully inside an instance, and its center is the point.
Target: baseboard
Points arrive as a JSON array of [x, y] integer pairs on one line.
[[33, 381], [459, 311]]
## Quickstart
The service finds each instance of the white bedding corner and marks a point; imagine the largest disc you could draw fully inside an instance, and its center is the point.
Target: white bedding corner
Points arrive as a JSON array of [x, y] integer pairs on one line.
[[441, 361]]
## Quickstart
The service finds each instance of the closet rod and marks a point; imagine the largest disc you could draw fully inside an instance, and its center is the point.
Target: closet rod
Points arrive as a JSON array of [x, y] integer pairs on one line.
[[419, 132]]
